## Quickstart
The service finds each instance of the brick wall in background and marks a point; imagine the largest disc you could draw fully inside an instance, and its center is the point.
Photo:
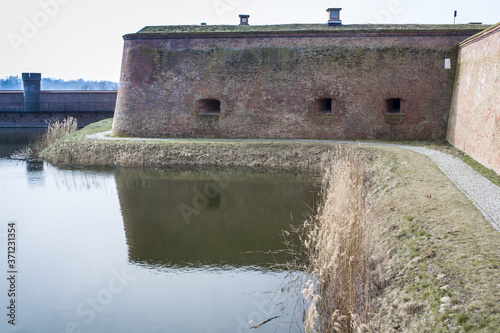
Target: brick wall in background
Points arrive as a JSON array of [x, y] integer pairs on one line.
[[86, 106], [61, 101], [77, 100], [11, 100]]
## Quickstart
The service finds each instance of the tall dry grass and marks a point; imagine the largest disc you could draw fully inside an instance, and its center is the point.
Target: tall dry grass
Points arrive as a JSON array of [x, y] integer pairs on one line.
[[55, 130], [337, 243]]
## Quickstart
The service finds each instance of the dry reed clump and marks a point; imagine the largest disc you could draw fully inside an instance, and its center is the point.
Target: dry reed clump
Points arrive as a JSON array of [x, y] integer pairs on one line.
[[337, 245], [55, 130]]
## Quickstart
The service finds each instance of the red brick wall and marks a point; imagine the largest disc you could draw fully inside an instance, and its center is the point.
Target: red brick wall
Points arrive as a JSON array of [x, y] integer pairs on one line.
[[268, 84], [77, 100], [86, 106], [11, 101], [62, 101], [474, 125]]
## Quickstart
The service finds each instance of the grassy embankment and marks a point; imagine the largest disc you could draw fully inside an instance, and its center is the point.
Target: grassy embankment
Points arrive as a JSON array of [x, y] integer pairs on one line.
[[433, 263], [434, 260]]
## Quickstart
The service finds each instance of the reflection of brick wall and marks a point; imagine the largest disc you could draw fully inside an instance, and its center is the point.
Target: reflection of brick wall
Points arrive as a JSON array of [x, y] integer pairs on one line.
[[474, 125], [269, 84], [166, 217]]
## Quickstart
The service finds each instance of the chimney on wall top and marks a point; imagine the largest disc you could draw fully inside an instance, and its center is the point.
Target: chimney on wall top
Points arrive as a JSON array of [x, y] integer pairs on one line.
[[334, 16], [244, 19]]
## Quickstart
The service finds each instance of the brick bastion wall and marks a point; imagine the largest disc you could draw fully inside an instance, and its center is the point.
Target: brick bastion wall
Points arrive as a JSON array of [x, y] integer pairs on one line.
[[86, 106], [289, 81], [474, 125]]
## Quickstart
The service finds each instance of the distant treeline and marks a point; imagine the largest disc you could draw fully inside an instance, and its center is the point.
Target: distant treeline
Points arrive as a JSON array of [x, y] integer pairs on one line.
[[16, 83]]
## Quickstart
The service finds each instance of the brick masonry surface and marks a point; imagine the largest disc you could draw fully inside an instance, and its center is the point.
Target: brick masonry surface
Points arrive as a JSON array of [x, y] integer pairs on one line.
[[86, 106], [269, 86], [11, 101], [43, 118], [77, 100], [474, 125]]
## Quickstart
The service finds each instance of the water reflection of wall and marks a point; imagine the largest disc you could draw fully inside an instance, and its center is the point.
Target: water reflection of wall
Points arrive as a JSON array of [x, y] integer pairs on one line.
[[35, 173], [12, 139], [209, 217]]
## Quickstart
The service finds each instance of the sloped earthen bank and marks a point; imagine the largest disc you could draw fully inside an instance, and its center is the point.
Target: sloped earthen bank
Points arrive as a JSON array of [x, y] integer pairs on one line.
[[78, 150]]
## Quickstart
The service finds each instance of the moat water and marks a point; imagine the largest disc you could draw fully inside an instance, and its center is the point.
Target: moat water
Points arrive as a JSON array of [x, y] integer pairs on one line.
[[146, 250]]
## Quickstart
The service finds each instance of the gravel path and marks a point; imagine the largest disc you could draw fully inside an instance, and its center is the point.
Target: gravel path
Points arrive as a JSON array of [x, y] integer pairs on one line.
[[484, 194]]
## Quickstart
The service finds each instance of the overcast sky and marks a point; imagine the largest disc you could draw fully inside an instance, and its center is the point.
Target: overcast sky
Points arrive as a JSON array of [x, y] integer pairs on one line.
[[71, 39]]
